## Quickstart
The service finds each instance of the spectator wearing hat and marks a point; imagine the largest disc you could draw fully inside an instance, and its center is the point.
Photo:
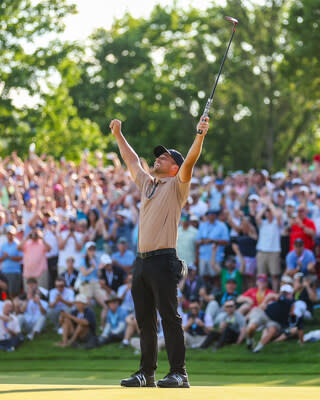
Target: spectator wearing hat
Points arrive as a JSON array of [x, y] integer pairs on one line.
[[33, 310], [304, 289], [124, 257], [197, 325], [50, 237], [216, 195], [60, 299], [272, 315], [211, 231], [302, 228], [296, 323], [88, 276], [194, 221], [70, 275], [198, 206], [35, 264], [11, 257], [247, 242], [288, 218], [111, 276], [300, 259], [215, 306], [232, 328], [70, 245], [231, 202], [253, 208], [190, 286], [10, 336], [254, 297], [233, 267], [115, 322], [269, 247], [79, 325], [122, 226], [186, 243]]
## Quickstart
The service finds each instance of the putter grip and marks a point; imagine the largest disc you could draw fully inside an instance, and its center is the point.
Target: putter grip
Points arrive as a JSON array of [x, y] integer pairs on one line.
[[199, 130], [205, 113]]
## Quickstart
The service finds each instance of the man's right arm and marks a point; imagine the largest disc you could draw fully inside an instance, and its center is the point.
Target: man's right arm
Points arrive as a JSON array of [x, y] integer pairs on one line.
[[129, 156]]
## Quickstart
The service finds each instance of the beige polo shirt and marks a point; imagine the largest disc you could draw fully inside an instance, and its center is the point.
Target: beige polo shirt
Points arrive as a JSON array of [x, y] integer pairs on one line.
[[160, 210]]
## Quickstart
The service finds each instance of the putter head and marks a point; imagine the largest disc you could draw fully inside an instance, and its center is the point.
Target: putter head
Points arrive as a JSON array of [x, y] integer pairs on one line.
[[234, 21]]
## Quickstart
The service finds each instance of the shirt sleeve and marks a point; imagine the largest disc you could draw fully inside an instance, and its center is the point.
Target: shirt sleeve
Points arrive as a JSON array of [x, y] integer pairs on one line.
[[52, 296], [290, 261], [182, 189], [208, 323], [224, 232], [311, 257], [142, 178]]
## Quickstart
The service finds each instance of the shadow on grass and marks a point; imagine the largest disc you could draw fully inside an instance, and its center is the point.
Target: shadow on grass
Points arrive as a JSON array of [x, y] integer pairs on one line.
[[76, 389]]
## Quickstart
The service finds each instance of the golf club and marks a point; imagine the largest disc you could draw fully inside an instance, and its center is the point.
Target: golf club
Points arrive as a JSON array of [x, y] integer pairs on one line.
[[209, 101]]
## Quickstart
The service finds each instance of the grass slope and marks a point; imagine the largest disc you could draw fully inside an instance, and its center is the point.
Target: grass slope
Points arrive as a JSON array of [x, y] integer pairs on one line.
[[278, 364]]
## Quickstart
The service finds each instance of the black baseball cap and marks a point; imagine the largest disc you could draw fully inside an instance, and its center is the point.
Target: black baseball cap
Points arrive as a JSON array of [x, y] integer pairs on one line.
[[178, 158]]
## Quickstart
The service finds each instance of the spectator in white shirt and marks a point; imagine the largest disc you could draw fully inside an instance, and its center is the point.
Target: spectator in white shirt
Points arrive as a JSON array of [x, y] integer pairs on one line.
[[269, 245], [33, 317], [60, 299], [70, 244], [50, 237], [9, 328]]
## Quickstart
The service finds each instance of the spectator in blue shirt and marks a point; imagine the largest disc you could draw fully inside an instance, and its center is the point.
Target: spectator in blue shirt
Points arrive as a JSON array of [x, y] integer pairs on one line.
[[211, 231], [300, 259], [124, 257], [115, 322], [121, 227], [60, 299], [11, 262]]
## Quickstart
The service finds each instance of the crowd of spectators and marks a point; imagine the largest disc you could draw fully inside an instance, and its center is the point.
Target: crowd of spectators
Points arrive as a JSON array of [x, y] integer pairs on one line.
[[68, 238]]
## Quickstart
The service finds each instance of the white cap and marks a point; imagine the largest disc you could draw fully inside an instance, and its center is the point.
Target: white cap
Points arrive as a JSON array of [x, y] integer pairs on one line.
[[194, 181], [190, 200], [206, 180], [81, 298], [290, 202], [304, 189], [124, 213], [194, 218], [11, 229], [89, 244], [286, 288], [281, 193], [265, 173], [105, 259], [253, 197], [296, 181], [300, 308], [279, 175]]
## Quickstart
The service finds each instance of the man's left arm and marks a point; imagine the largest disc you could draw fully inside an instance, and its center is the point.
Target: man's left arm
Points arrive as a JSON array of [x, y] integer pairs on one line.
[[185, 172]]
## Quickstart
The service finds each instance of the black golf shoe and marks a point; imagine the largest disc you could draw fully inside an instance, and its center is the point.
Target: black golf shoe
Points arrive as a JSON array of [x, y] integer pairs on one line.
[[174, 380], [139, 379]]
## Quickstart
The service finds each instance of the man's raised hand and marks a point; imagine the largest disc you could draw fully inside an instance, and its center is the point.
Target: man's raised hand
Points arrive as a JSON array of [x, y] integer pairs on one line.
[[203, 125], [115, 126]]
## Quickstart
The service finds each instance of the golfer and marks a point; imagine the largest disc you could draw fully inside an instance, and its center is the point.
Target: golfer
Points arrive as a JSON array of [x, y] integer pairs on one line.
[[157, 269]]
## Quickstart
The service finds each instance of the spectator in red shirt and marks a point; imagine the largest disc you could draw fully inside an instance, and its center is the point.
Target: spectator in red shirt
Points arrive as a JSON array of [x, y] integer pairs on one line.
[[254, 297], [303, 228]]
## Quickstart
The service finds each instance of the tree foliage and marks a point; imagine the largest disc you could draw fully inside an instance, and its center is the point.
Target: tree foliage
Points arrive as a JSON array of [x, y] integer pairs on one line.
[[156, 75], [36, 73]]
